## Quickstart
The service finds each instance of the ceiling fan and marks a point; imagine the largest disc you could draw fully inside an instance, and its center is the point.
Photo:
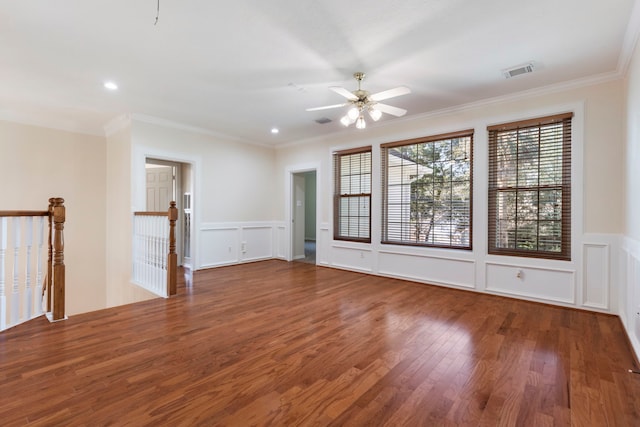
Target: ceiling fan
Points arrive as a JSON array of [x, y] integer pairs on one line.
[[362, 101]]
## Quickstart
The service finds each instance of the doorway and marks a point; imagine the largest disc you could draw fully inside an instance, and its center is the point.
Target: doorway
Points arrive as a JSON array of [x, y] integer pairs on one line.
[[168, 181], [304, 193]]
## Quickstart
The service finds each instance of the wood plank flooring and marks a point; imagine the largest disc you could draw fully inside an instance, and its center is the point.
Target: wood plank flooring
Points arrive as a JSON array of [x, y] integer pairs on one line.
[[275, 343]]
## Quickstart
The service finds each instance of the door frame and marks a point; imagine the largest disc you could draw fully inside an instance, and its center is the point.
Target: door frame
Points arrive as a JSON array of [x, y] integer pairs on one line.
[[177, 197], [289, 204], [138, 187]]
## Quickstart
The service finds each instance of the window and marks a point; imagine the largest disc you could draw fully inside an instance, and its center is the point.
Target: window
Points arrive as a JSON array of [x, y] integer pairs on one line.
[[427, 187], [530, 188], [352, 200]]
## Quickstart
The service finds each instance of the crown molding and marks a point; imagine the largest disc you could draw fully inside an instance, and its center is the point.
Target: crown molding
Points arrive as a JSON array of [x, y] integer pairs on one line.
[[543, 90], [144, 118]]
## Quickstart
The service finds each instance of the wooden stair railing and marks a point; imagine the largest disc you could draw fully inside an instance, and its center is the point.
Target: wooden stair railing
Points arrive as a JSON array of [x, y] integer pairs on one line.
[[146, 258], [57, 292], [23, 303]]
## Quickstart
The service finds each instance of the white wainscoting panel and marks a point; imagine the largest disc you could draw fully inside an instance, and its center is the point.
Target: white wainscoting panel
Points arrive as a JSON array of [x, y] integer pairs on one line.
[[280, 241], [323, 245], [429, 269], [540, 283], [218, 246], [352, 258], [595, 261], [256, 242], [630, 315], [234, 243]]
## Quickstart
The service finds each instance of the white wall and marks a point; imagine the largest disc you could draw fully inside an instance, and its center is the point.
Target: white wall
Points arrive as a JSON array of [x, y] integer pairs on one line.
[[38, 163], [597, 202], [630, 262], [232, 202]]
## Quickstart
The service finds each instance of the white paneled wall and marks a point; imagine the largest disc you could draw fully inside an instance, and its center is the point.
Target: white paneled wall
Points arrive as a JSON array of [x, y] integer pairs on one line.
[[280, 241], [540, 283], [596, 266], [630, 291], [585, 282], [323, 245], [352, 258], [233, 243], [428, 268]]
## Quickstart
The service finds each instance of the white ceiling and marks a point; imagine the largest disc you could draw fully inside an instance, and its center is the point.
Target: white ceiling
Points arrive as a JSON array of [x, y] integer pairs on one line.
[[239, 68]]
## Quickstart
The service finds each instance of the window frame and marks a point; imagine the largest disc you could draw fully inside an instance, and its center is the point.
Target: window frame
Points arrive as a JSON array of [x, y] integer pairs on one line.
[[338, 196], [384, 172], [565, 185]]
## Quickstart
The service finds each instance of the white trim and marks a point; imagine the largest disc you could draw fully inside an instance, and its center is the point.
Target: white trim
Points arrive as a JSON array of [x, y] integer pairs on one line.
[[426, 255], [530, 267], [288, 195]]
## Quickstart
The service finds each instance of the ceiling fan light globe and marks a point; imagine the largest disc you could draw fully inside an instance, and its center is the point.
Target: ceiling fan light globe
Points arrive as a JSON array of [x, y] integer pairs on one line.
[[360, 123], [346, 121], [375, 114], [353, 114]]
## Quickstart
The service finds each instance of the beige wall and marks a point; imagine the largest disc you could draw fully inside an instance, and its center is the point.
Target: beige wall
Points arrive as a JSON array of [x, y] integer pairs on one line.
[[29, 178], [603, 145], [120, 290]]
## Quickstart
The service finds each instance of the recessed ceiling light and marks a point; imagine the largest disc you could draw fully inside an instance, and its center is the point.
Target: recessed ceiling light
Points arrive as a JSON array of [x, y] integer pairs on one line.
[[275, 130], [110, 85]]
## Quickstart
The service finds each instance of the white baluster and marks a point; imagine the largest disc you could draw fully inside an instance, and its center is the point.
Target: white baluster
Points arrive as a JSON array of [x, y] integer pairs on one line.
[[136, 250], [28, 291], [156, 250], [147, 251], [3, 295], [158, 283], [163, 222], [151, 245], [39, 308], [15, 292]]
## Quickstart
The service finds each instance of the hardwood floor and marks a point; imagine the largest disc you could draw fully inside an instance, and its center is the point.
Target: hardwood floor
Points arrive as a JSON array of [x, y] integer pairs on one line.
[[275, 343]]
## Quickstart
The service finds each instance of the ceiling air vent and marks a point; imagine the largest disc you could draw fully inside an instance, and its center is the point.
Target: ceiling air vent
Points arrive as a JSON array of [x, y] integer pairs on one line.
[[519, 70], [323, 120]]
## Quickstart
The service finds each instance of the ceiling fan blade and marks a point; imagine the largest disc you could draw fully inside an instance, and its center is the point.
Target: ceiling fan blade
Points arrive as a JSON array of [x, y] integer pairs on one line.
[[342, 91], [380, 96], [389, 109], [326, 107]]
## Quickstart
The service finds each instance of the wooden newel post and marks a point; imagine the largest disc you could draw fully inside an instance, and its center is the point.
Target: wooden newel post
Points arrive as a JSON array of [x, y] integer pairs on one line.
[[58, 260], [47, 285], [172, 258]]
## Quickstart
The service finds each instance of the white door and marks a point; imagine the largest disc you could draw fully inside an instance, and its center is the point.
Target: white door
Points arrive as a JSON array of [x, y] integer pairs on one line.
[[159, 187], [298, 216]]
